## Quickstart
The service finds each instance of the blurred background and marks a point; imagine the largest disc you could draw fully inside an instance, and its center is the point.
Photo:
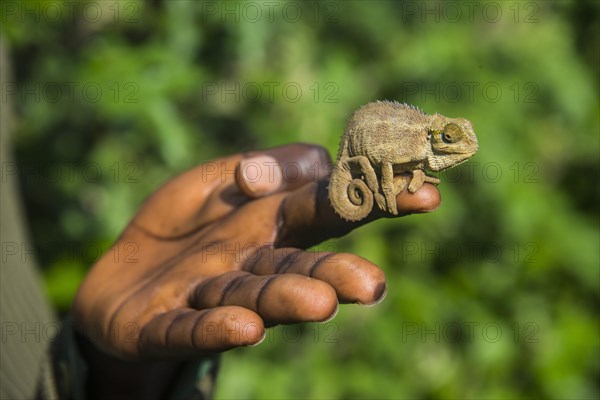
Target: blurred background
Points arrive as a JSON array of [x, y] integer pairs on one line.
[[494, 295]]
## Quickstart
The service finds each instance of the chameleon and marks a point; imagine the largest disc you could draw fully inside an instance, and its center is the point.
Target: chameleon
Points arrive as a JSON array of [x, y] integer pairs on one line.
[[384, 138]]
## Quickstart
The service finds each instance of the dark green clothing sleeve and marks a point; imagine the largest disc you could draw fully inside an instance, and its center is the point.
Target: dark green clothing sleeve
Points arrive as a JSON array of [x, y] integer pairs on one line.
[[65, 375], [27, 322]]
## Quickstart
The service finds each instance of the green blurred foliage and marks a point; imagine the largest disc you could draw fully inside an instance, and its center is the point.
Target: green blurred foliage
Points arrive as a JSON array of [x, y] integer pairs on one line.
[[494, 295]]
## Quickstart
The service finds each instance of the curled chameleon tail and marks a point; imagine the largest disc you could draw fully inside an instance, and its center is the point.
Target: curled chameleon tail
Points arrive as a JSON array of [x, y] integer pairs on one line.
[[351, 198]]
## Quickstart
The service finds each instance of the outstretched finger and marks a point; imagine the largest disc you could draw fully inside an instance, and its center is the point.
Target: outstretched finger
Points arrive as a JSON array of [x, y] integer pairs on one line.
[[307, 216], [278, 299], [281, 169], [188, 332], [355, 279]]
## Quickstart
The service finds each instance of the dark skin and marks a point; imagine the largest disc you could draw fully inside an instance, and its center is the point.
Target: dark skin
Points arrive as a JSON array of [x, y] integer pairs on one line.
[[213, 258]]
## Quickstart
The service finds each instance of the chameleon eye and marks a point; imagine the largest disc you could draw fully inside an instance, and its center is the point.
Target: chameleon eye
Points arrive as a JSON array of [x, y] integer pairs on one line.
[[451, 133]]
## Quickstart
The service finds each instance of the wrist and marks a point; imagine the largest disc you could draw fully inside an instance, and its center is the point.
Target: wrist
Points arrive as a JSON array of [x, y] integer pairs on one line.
[[111, 377]]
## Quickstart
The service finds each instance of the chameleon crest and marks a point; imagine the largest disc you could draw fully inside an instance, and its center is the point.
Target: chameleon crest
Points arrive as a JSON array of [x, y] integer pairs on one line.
[[384, 138]]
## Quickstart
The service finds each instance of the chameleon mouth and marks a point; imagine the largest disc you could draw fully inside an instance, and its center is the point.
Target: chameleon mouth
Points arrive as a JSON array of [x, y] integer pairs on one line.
[[450, 150]]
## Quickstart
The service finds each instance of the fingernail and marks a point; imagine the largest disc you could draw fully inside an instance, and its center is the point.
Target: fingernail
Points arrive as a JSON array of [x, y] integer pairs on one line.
[[259, 175], [333, 315], [262, 339], [381, 296]]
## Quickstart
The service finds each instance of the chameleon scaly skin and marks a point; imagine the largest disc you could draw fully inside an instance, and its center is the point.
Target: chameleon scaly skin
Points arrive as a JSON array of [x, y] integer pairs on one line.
[[384, 138]]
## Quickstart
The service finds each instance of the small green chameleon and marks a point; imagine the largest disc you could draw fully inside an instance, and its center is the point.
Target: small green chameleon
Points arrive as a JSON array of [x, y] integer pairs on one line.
[[384, 138]]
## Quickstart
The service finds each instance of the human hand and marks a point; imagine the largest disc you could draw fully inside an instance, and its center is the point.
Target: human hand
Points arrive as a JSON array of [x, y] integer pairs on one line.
[[218, 259]]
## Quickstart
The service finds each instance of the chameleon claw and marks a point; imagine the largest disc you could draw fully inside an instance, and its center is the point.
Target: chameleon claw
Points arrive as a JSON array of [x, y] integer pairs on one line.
[[380, 200], [432, 179], [417, 180]]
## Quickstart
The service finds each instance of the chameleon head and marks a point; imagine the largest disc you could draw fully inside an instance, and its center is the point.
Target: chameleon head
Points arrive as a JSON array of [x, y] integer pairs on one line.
[[452, 140]]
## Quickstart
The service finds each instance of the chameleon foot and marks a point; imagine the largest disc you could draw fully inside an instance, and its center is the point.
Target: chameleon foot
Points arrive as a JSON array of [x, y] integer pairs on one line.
[[432, 180], [390, 198], [380, 200], [417, 180]]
